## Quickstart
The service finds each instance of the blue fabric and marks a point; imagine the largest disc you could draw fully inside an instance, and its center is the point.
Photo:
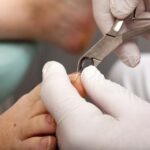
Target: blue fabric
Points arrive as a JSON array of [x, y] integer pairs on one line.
[[15, 59]]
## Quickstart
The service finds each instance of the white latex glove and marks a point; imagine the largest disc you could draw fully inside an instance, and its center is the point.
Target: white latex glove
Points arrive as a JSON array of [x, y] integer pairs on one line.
[[105, 12], [125, 125], [134, 79]]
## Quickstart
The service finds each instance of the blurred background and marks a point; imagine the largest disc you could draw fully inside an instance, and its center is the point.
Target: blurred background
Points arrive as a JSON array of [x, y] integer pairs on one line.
[[48, 52]]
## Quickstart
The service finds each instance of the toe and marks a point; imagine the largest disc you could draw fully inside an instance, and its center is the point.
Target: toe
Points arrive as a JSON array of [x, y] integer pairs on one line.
[[39, 143], [39, 125]]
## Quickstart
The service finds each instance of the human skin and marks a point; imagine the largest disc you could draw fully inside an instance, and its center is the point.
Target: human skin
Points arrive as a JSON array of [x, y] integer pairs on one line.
[[75, 79], [68, 24], [27, 125], [114, 119]]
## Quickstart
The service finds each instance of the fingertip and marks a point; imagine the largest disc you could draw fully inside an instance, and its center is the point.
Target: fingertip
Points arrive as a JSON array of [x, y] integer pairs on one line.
[[102, 15], [90, 77], [132, 61], [129, 53], [58, 94], [122, 9], [119, 13], [52, 67], [90, 72]]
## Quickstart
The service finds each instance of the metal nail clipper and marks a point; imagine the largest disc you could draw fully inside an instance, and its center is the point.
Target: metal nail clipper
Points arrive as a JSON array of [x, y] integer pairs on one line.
[[112, 40]]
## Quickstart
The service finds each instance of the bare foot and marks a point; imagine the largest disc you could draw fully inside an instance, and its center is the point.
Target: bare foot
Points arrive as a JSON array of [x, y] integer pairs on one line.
[[66, 23], [73, 24], [27, 125]]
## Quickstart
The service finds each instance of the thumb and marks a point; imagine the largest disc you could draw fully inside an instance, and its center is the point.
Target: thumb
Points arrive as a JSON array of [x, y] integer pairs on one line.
[[108, 96], [123, 8], [58, 94]]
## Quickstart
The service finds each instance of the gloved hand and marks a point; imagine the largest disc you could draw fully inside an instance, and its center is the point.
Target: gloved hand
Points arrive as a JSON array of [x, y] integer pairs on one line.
[[118, 121], [134, 79], [105, 12]]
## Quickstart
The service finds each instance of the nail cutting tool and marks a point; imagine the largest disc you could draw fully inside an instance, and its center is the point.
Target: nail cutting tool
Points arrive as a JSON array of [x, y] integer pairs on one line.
[[112, 40]]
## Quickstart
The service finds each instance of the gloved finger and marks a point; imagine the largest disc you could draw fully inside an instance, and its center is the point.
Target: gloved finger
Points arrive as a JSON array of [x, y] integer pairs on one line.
[[108, 96], [59, 95], [103, 16], [129, 53], [122, 9]]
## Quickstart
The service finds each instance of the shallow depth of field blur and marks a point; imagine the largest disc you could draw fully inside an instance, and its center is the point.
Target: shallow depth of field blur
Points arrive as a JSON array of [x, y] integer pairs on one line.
[[47, 52]]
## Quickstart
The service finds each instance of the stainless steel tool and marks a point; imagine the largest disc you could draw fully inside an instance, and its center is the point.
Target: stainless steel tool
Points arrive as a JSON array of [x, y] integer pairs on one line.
[[111, 41]]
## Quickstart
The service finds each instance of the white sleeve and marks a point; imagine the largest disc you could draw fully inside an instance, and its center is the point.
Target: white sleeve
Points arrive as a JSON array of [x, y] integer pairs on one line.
[[134, 79]]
